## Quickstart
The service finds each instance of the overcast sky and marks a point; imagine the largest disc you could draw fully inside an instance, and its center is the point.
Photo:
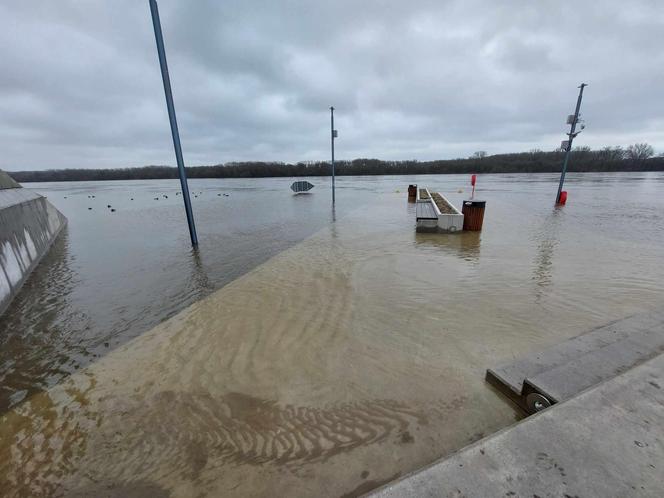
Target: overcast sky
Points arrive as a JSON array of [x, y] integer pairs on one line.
[[80, 83]]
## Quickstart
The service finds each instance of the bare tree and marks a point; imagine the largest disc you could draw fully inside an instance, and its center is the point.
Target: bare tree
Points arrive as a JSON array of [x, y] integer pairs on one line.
[[611, 153], [638, 153], [480, 154]]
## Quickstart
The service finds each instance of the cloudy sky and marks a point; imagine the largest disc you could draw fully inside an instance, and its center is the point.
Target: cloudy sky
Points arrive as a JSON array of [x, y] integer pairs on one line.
[[253, 80]]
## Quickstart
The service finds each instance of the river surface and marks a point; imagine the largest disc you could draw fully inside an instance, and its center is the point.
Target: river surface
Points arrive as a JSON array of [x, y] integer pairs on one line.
[[302, 351]]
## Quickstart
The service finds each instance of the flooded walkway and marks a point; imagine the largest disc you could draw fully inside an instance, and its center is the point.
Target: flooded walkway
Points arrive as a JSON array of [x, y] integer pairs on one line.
[[348, 360]]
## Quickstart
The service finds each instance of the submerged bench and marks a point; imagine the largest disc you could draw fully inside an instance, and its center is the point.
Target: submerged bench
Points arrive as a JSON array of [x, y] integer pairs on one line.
[[434, 213]]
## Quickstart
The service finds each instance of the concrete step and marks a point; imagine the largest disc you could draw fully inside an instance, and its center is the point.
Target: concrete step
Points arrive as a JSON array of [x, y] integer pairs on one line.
[[569, 379], [605, 442], [511, 377]]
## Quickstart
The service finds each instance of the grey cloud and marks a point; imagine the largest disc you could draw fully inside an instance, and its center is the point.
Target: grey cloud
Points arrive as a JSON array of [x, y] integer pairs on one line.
[[80, 83]]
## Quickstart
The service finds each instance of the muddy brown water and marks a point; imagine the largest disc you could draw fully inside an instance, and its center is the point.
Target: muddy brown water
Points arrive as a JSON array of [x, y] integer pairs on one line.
[[335, 363]]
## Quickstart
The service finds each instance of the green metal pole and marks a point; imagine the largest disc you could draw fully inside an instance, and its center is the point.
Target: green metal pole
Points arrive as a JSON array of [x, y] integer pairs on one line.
[[571, 135], [332, 137]]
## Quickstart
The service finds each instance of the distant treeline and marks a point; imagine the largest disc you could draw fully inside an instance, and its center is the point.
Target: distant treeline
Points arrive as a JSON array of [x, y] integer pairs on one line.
[[634, 158]]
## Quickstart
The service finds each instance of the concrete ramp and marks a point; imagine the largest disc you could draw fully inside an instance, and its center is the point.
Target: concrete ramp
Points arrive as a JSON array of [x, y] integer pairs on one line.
[[606, 442], [28, 226], [564, 370]]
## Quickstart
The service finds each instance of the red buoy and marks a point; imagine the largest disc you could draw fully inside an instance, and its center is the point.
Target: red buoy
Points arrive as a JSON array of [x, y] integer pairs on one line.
[[473, 179], [563, 197]]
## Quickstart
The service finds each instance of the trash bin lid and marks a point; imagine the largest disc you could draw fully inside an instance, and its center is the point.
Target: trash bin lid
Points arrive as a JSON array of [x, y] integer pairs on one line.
[[474, 203]]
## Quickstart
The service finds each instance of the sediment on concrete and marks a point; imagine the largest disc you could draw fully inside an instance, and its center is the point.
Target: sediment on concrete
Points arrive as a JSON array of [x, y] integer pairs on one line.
[[606, 442], [28, 226]]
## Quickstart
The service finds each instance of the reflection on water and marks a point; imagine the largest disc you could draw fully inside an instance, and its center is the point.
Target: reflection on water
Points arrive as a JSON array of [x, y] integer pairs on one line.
[[464, 245], [200, 278], [351, 357], [31, 330], [547, 239]]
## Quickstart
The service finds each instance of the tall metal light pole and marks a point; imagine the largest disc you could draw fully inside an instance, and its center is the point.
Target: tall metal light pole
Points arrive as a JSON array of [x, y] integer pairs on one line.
[[574, 119], [174, 123], [333, 135]]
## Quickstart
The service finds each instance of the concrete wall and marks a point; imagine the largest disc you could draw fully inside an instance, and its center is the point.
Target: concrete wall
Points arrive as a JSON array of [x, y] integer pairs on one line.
[[28, 226]]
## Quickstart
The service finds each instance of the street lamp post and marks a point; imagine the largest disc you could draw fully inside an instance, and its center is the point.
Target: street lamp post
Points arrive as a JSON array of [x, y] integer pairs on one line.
[[173, 120], [333, 134]]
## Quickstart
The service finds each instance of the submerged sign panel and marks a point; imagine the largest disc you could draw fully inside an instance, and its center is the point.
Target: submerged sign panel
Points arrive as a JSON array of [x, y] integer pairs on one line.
[[301, 186]]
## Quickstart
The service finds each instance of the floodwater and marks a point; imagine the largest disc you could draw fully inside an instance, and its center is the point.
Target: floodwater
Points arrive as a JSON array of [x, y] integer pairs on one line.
[[302, 351]]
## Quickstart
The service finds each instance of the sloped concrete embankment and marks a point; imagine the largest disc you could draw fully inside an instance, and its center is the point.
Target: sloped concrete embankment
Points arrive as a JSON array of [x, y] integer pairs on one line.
[[28, 226]]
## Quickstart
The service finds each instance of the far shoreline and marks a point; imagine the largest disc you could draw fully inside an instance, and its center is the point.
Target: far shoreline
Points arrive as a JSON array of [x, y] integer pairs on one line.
[[583, 161]]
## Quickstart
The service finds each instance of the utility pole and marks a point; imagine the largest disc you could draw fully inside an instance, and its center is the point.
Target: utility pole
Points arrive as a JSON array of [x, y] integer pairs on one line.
[[333, 135], [572, 121], [174, 123]]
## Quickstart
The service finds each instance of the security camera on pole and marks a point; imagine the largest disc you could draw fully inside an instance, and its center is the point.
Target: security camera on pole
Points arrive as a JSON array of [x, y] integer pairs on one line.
[[566, 145]]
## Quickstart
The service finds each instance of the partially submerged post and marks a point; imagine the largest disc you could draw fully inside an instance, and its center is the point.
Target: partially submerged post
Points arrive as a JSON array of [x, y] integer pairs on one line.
[[572, 120], [174, 124], [333, 135]]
